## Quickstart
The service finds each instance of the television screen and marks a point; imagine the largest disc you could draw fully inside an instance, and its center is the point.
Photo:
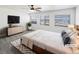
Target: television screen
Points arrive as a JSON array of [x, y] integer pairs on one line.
[[13, 19]]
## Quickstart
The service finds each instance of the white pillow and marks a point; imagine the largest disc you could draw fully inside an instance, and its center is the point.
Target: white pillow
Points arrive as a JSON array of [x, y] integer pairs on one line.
[[69, 32]]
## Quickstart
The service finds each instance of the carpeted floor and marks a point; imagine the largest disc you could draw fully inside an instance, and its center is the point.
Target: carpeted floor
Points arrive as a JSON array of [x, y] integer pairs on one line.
[[5, 45]]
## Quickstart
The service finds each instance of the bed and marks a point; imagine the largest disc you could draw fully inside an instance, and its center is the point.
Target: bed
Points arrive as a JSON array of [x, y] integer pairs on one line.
[[42, 41]]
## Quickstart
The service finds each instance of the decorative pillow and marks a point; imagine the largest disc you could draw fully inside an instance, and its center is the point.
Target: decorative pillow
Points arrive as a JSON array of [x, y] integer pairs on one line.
[[63, 33], [69, 32], [66, 38]]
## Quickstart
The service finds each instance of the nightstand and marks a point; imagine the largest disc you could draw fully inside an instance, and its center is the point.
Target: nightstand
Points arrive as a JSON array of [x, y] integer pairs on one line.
[[76, 41]]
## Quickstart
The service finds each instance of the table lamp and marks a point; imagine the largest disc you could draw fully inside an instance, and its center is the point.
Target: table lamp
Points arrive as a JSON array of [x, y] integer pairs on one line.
[[74, 28]]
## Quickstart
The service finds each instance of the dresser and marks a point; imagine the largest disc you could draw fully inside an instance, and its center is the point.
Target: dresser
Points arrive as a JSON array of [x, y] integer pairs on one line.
[[15, 30]]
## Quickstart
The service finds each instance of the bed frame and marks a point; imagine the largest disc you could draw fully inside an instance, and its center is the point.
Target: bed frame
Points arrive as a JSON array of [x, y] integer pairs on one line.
[[39, 50]]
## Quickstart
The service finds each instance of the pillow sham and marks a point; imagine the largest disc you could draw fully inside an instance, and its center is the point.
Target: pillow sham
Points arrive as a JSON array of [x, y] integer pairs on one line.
[[66, 38]]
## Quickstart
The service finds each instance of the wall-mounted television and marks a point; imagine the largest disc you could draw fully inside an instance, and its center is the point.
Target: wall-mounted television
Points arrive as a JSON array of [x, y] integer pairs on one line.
[[13, 19]]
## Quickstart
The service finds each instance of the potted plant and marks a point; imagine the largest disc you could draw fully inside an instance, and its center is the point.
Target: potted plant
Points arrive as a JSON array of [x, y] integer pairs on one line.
[[29, 26]]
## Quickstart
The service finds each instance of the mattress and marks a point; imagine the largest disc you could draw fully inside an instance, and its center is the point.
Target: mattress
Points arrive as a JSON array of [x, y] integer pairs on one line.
[[51, 41]]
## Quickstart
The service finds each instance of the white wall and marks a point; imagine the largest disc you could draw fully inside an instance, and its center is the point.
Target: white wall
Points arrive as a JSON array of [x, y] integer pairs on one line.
[[77, 15], [4, 12], [52, 26]]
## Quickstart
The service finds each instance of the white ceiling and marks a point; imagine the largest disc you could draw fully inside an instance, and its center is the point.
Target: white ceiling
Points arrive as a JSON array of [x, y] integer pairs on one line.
[[25, 8]]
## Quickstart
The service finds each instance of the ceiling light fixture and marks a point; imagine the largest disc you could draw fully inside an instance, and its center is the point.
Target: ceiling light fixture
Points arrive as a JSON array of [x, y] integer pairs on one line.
[[32, 10]]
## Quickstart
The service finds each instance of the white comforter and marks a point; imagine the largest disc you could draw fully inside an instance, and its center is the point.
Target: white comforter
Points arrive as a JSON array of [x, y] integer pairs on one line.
[[50, 41]]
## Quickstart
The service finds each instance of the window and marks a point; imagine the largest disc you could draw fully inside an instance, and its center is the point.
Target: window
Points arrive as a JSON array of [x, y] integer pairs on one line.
[[62, 20], [34, 18], [44, 20]]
